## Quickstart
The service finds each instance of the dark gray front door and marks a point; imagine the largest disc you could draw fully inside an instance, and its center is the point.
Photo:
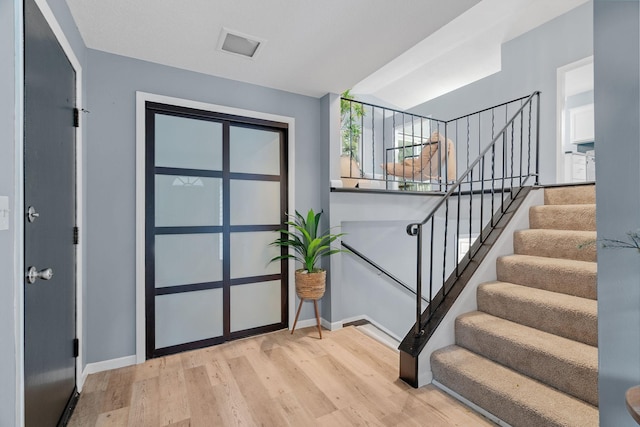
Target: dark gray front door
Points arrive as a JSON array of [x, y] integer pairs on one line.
[[49, 189]]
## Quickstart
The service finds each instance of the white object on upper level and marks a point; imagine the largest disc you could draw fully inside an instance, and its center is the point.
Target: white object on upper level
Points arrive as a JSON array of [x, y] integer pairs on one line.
[[581, 121]]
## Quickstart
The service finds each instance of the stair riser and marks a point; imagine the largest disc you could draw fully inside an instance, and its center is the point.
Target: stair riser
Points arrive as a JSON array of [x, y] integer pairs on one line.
[[579, 380], [500, 391], [578, 246], [580, 282], [572, 195], [575, 325], [569, 217]]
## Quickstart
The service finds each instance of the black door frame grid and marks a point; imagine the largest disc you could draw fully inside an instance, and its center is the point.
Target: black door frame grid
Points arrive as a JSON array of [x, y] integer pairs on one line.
[[227, 120]]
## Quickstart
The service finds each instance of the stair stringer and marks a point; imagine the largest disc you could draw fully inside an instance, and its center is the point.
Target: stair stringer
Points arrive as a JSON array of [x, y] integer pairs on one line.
[[466, 301]]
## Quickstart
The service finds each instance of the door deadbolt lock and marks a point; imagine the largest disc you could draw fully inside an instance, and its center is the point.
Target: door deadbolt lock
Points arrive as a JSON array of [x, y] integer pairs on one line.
[[33, 274], [32, 214]]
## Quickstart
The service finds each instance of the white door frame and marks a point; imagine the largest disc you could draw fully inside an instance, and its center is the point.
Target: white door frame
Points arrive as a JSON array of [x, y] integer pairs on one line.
[[141, 99], [19, 196], [560, 117]]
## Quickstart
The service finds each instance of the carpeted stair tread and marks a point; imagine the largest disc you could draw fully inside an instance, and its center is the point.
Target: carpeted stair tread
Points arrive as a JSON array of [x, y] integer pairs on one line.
[[529, 354], [566, 244], [571, 277], [570, 195], [512, 397], [563, 217], [570, 366], [564, 315]]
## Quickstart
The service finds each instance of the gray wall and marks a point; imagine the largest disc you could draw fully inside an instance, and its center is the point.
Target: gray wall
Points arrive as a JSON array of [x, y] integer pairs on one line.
[[328, 124], [617, 126], [112, 83], [376, 228], [9, 283], [529, 63]]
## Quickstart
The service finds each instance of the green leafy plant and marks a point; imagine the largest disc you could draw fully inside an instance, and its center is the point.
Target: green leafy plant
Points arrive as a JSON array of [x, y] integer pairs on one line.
[[308, 245], [633, 243], [351, 114]]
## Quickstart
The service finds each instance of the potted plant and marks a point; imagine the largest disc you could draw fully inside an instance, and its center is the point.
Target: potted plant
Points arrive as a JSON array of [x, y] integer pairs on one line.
[[309, 247], [351, 114]]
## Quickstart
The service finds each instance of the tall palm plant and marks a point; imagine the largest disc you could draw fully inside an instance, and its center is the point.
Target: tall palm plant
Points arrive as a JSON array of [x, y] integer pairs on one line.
[[351, 114], [308, 245]]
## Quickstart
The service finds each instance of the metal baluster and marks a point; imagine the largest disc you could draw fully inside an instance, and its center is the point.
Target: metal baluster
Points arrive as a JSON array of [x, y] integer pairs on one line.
[[384, 150], [393, 141], [521, 144], [481, 198], [504, 168], [493, 165], [470, 211], [481, 181], [458, 219], [350, 148], [537, 138], [418, 326], [404, 153], [512, 153], [444, 254], [361, 142], [529, 142], [422, 145], [504, 154], [431, 266], [479, 134], [468, 140], [413, 149], [373, 143]]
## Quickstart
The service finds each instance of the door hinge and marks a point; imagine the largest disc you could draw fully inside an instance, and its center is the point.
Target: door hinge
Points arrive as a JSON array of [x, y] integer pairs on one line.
[[76, 347], [76, 118], [76, 233]]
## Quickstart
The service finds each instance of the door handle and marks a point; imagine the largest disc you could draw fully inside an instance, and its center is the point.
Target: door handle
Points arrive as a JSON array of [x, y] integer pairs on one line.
[[33, 274], [32, 214]]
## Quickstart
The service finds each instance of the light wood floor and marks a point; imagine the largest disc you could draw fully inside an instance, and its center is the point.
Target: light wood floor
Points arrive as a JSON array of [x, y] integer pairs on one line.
[[277, 379]]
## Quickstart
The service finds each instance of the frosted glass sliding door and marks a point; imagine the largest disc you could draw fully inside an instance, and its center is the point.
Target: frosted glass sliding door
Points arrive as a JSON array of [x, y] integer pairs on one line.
[[215, 195]]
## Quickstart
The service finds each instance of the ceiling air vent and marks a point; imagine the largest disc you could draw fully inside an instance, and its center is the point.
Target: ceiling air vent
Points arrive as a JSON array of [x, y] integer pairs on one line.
[[239, 44]]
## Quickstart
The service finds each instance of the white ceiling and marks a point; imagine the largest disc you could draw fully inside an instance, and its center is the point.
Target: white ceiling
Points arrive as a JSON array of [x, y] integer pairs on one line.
[[465, 50], [314, 47]]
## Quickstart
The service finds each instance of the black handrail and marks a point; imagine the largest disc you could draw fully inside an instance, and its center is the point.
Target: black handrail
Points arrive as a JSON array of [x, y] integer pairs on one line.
[[415, 229], [380, 269]]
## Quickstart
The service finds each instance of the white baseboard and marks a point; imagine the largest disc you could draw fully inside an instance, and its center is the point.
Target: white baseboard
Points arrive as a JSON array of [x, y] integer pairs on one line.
[[106, 365], [374, 332], [374, 323], [308, 323], [331, 326], [470, 404]]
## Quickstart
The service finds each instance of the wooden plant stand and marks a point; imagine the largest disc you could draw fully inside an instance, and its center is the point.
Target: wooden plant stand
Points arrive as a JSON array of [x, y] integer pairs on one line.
[[315, 305]]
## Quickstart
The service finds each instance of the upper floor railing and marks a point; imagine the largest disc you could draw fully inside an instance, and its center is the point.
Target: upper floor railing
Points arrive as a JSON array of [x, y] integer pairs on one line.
[[389, 149]]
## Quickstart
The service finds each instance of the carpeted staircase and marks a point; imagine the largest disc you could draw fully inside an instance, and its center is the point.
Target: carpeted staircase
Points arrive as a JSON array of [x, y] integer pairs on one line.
[[529, 354]]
